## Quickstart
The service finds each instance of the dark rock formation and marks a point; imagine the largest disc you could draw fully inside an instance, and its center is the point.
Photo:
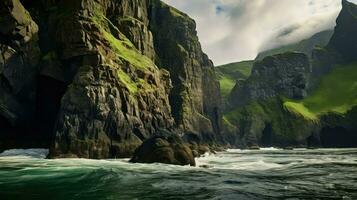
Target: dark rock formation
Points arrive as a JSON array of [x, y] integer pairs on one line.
[[170, 150], [258, 111], [97, 78], [195, 97], [344, 39], [19, 56], [283, 74], [267, 123]]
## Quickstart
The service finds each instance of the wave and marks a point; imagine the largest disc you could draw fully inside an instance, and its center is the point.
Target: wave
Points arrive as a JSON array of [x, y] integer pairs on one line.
[[273, 158], [226, 161], [245, 174], [33, 153], [249, 150]]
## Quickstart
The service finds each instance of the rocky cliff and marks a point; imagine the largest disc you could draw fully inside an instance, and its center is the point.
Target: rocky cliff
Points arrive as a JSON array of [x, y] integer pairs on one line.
[[97, 78], [256, 104], [194, 98], [278, 75]]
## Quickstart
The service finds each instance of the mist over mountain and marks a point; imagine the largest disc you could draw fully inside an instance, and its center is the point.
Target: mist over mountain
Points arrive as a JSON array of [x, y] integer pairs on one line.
[[232, 30]]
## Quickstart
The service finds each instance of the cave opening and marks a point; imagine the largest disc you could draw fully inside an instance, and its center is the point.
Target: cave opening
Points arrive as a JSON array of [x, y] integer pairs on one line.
[[5, 126], [49, 95], [338, 137], [267, 135], [313, 140]]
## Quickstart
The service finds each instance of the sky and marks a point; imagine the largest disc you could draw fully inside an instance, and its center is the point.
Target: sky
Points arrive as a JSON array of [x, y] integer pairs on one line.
[[236, 30]]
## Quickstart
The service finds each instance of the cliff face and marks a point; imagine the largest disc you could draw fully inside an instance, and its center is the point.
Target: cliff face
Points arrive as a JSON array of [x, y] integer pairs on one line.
[[282, 74], [194, 98], [256, 104], [108, 75]]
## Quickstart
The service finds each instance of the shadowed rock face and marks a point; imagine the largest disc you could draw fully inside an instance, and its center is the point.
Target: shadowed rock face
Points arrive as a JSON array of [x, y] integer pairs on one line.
[[19, 57], [194, 98], [98, 78], [344, 40], [283, 74]]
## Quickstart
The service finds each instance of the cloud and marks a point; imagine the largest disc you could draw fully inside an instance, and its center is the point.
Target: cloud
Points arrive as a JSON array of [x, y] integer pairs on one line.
[[233, 30]]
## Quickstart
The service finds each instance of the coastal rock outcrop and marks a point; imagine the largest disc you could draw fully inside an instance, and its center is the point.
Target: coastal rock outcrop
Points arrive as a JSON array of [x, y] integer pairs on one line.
[[169, 149]]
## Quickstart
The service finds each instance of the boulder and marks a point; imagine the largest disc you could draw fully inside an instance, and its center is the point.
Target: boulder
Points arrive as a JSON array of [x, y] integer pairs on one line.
[[161, 149]]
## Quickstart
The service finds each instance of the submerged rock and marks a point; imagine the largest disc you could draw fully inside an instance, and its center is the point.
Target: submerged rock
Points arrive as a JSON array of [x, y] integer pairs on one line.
[[161, 149]]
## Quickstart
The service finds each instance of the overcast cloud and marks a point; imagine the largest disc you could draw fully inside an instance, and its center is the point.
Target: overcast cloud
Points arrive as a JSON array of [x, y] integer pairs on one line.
[[234, 30]]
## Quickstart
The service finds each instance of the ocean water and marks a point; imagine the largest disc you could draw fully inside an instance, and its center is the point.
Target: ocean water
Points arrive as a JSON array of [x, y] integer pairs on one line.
[[236, 174]]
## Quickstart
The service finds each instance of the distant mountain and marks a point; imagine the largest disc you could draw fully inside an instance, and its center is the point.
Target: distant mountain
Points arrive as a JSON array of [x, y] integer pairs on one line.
[[305, 46], [228, 74], [293, 100]]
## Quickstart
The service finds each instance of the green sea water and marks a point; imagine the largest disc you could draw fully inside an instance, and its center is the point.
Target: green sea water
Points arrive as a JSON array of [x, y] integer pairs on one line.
[[235, 174]]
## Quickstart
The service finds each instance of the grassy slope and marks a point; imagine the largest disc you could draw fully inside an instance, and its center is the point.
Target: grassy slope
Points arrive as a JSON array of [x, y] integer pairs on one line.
[[228, 74], [337, 93]]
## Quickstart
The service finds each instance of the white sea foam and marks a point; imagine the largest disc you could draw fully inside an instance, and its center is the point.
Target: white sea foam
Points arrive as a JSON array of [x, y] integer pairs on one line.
[[34, 153], [250, 150], [273, 158], [232, 159], [236, 161]]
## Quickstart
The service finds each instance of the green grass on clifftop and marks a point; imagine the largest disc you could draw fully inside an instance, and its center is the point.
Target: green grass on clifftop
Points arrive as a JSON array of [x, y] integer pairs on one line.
[[336, 93], [228, 74]]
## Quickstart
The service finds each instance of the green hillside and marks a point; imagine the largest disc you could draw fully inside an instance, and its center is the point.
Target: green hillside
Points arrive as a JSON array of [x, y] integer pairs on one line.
[[229, 73], [336, 93], [304, 46]]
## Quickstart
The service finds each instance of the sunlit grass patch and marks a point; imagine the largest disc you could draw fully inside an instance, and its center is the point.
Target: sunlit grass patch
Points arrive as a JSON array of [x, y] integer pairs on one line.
[[337, 93]]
